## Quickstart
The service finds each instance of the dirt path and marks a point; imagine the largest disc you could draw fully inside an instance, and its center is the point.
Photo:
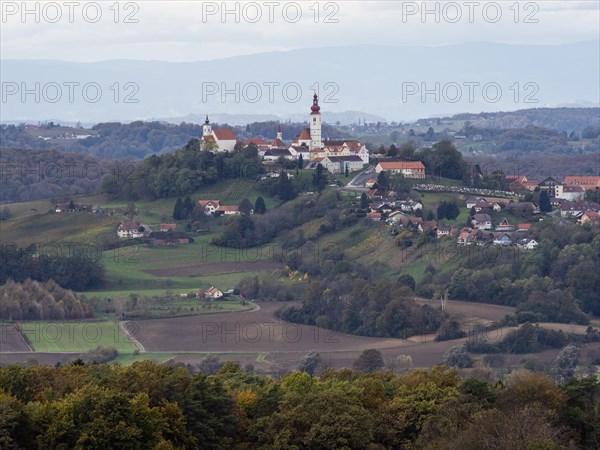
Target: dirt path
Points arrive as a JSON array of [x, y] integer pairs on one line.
[[137, 344]]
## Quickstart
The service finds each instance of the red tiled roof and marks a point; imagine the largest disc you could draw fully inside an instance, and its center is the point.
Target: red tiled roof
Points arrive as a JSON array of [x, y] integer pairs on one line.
[[203, 203], [256, 140], [229, 208], [225, 134], [304, 135]]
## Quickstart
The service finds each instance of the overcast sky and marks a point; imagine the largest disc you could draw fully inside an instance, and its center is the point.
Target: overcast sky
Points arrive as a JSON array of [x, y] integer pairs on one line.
[[195, 30]]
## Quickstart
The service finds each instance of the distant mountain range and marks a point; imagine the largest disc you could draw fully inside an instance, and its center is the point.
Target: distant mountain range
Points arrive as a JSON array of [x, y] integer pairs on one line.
[[372, 82]]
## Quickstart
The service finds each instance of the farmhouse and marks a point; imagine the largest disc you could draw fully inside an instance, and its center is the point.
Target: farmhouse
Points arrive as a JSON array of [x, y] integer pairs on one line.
[[130, 230], [209, 206], [168, 227], [409, 169], [229, 210], [213, 293]]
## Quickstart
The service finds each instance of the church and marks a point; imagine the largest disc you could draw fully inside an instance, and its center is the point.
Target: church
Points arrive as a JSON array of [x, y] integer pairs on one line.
[[222, 140], [336, 155]]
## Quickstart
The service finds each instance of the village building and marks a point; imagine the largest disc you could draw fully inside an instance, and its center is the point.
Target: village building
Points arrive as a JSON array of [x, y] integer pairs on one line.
[[213, 293], [409, 169], [482, 222], [209, 206], [585, 182]]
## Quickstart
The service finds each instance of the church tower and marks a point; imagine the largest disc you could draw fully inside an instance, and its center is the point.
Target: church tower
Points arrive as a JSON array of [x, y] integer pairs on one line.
[[206, 128], [315, 125], [279, 134]]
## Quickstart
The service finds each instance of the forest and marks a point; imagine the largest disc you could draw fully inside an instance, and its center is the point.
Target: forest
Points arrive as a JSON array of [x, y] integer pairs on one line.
[[33, 300], [35, 174], [76, 271], [170, 406]]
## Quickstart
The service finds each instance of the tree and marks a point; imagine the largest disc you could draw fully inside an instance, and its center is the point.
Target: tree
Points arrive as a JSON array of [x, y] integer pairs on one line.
[[383, 180], [310, 362], [177, 209], [364, 201], [301, 161], [392, 151], [457, 356], [545, 205], [369, 361], [319, 178], [566, 362], [245, 207], [407, 280], [130, 210], [284, 188], [259, 206]]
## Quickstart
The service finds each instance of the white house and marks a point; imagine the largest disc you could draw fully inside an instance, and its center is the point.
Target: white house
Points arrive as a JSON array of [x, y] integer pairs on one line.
[[213, 293], [338, 164], [482, 222], [209, 206], [130, 230], [527, 244]]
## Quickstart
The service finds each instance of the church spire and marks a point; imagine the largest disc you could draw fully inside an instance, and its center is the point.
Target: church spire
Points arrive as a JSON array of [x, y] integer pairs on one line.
[[207, 121], [315, 108]]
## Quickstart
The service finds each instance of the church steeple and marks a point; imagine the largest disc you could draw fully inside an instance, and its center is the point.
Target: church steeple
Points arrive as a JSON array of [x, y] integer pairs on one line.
[[315, 124], [279, 133], [315, 108], [206, 128]]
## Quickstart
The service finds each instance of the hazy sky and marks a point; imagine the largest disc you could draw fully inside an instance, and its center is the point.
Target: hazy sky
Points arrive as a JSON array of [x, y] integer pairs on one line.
[[196, 30]]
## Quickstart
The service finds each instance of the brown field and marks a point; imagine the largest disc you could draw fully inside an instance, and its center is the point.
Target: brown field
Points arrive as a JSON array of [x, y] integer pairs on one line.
[[11, 339], [212, 268]]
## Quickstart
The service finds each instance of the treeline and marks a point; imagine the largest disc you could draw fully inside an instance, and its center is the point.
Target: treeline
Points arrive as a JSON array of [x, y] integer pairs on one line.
[[165, 406], [76, 271], [109, 140], [183, 172], [557, 282], [352, 305], [34, 174], [32, 300]]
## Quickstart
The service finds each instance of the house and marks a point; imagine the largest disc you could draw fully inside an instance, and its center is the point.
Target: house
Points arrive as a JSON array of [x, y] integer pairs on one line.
[[586, 182], [168, 227], [497, 207], [228, 210], [374, 216], [504, 225], [502, 239], [572, 193], [409, 169], [169, 238], [337, 147], [530, 185], [209, 206], [524, 207], [516, 179], [339, 164], [465, 238], [370, 183], [410, 205], [527, 244], [589, 217], [442, 231], [574, 209], [222, 140], [130, 230], [552, 186], [213, 293], [524, 227], [472, 201], [482, 206], [482, 221]]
